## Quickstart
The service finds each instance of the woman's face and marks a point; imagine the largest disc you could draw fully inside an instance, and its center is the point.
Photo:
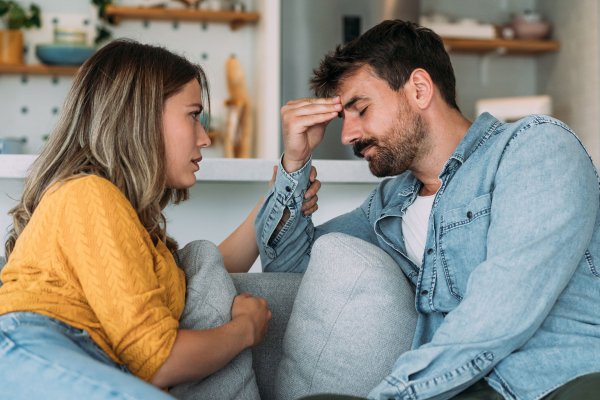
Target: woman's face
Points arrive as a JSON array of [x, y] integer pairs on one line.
[[184, 135]]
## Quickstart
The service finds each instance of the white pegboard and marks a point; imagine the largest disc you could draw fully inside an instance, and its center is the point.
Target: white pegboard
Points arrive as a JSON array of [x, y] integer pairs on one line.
[[30, 104]]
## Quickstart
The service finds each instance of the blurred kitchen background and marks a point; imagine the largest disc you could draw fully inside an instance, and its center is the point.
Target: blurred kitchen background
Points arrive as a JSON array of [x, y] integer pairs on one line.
[[278, 51], [276, 44]]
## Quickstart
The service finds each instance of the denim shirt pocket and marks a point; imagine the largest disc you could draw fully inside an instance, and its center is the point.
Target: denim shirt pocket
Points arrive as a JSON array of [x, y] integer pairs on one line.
[[462, 242]]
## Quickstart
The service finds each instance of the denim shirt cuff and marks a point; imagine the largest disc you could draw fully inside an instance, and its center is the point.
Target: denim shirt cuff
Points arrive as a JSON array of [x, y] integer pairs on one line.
[[289, 187], [387, 390]]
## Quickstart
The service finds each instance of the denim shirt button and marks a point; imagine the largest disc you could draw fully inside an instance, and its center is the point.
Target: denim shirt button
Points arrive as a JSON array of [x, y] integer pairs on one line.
[[430, 251], [270, 252], [424, 292], [469, 214], [288, 189]]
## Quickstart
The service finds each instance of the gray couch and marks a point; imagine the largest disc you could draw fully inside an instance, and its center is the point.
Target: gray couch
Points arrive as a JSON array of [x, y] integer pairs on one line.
[[280, 290], [353, 315]]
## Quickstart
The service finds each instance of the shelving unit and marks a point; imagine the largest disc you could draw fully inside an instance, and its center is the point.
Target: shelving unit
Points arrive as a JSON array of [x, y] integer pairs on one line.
[[37, 69], [117, 13], [236, 19], [15, 166], [503, 46]]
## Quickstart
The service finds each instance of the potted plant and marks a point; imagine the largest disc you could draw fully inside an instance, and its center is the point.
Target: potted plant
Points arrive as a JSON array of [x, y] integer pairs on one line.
[[13, 18]]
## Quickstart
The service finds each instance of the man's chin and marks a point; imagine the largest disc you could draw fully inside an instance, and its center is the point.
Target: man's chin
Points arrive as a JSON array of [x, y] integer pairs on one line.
[[381, 171], [378, 171]]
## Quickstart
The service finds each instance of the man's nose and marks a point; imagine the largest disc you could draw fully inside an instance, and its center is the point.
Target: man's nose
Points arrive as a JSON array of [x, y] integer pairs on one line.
[[350, 130]]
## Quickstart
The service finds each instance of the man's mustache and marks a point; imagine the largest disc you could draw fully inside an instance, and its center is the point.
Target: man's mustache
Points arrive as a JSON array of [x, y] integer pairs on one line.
[[360, 145]]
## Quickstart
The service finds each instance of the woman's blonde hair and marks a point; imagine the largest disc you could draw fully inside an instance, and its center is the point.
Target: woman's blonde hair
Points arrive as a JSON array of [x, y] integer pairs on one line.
[[111, 126]]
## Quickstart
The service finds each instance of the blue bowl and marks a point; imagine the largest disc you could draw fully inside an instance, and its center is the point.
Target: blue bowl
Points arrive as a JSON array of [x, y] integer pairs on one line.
[[63, 54]]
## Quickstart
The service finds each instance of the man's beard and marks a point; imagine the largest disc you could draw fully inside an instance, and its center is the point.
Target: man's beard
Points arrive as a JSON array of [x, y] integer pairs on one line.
[[397, 150]]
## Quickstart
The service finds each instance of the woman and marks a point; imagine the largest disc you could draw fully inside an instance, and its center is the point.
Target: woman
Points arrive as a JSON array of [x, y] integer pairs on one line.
[[92, 294]]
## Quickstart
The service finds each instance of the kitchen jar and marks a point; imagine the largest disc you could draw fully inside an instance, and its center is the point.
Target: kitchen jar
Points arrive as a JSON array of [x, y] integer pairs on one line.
[[12, 145]]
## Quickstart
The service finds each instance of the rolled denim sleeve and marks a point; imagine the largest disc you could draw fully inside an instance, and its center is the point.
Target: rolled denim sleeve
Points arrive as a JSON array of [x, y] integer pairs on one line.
[[287, 250], [543, 211]]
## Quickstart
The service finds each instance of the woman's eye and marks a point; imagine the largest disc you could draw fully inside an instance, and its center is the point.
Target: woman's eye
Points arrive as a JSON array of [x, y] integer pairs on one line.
[[362, 112], [196, 115]]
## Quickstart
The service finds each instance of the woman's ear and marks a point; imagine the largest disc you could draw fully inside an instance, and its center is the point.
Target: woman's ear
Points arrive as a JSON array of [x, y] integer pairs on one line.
[[423, 88]]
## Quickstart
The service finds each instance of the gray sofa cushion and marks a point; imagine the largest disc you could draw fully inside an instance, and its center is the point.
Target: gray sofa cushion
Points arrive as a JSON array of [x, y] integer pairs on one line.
[[279, 289], [353, 316], [209, 296]]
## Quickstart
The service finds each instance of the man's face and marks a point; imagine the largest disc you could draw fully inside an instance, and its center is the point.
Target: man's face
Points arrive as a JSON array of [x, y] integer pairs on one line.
[[380, 124]]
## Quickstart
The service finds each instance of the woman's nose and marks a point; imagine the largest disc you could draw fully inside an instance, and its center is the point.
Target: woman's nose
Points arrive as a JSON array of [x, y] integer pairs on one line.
[[202, 138]]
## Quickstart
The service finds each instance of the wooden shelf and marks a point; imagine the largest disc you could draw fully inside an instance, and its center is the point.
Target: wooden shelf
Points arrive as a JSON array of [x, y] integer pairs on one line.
[[37, 69], [502, 46], [235, 18]]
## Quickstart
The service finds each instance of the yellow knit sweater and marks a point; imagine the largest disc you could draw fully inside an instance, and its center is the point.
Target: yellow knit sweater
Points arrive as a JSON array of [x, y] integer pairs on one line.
[[85, 258]]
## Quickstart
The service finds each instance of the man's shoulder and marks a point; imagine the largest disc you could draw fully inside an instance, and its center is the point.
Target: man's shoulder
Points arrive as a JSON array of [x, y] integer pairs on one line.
[[534, 125]]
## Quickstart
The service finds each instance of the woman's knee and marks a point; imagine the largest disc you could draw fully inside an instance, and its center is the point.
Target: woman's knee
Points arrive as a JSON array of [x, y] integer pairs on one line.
[[200, 254], [210, 290]]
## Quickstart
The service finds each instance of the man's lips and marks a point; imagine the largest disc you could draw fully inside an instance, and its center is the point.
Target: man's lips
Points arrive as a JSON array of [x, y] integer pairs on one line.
[[361, 148], [365, 151]]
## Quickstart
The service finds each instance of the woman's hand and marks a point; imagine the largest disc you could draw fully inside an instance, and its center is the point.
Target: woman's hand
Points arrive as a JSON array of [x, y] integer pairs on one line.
[[309, 205], [197, 353], [254, 312]]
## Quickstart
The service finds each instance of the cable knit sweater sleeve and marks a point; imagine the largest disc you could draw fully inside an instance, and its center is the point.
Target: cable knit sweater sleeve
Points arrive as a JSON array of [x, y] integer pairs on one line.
[[133, 287]]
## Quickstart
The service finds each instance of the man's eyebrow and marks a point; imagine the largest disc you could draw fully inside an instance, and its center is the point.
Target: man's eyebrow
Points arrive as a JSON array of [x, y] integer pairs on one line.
[[352, 101]]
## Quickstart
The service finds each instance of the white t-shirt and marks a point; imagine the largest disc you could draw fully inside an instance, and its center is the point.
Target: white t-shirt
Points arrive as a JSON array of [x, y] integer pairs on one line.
[[414, 227]]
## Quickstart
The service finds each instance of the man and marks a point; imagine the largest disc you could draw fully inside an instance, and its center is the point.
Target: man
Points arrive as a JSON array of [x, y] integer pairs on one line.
[[496, 225]]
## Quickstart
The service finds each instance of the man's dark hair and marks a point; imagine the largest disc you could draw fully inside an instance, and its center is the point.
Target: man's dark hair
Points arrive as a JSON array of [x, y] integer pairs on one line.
[[394, 49]]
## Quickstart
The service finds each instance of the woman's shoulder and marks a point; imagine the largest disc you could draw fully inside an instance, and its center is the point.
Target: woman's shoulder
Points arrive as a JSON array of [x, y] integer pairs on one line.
[[84, 196], [86, 186]]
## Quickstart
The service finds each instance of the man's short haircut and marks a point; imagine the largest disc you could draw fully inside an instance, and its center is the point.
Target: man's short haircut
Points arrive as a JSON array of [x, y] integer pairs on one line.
[[393, 49]]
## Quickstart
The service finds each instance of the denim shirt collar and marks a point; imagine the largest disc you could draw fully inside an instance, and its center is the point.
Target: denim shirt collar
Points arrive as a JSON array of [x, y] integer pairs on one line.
[[481, 129]]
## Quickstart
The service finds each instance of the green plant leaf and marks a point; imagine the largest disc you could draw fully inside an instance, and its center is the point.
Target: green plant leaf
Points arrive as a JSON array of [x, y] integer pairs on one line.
[[15, 16]]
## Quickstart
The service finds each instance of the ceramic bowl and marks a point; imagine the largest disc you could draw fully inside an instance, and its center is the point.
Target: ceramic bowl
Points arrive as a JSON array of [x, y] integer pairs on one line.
[[63, 54], [531, 29]]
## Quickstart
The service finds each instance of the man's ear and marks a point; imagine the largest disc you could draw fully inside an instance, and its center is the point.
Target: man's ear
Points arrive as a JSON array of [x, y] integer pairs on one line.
[[422, 88]]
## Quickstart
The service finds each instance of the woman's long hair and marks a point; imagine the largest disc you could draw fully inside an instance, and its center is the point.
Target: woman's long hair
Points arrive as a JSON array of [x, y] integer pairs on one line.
[[111, 126]]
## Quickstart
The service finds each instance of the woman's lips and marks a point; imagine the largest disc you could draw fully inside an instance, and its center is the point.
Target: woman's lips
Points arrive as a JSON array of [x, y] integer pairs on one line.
[[196, 162]]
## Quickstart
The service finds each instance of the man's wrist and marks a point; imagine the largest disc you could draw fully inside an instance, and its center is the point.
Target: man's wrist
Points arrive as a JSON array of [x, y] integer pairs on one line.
[[291, 166]]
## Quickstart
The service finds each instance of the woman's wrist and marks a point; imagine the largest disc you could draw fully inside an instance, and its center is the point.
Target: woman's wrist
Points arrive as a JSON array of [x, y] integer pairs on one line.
[[242, 327]]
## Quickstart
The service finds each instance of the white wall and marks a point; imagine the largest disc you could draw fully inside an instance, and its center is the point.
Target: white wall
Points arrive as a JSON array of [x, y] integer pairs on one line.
[[490, 75], [572, 76]]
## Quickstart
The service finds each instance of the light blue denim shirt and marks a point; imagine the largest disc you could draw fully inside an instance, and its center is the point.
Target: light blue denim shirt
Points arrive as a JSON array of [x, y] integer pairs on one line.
[[509, 288]]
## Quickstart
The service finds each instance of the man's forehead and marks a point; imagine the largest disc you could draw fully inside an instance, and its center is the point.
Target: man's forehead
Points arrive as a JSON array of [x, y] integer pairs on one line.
[[356, 85]]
